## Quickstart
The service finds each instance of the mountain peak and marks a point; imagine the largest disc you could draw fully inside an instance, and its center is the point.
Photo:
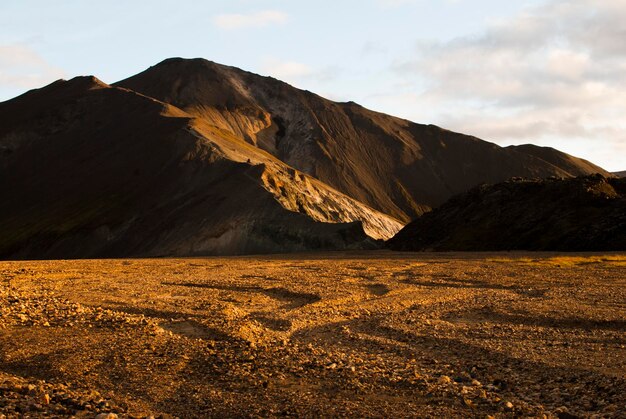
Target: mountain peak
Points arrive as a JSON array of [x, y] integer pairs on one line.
[[197, 127]]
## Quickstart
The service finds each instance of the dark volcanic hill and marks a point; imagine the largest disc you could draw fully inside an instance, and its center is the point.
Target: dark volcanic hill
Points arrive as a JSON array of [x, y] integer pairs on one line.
[[194, 158], [393, 165], [89, 170], [579, 214], [620, 174]]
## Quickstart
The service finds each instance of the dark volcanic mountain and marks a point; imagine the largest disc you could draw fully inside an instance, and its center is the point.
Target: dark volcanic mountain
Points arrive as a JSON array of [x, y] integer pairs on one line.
[[579, 214], [194, 158], [393, 165], [90, 170], [620, 174]]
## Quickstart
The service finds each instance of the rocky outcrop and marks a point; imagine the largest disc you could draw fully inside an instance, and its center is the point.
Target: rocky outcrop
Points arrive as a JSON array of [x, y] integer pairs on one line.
[[579, 214]]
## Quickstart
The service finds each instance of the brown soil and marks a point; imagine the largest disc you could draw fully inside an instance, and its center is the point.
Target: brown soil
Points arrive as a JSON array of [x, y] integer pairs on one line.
[[338, 334]]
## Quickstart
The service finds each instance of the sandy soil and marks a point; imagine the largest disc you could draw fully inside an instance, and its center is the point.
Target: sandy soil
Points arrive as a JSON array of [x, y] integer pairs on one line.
[[339, 334]]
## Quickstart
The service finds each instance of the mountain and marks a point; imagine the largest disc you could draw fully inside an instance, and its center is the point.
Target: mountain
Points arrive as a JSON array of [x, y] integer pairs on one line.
[[192, 157], [574, 166], [393, 165], [620, 174], [576, 214], [90, 170]]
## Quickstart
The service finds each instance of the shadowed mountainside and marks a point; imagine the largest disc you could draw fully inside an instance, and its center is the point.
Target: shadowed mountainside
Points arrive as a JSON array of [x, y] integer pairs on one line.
[[195, 158], [620, 174], [579, 214], [91, 170], [393, 165]]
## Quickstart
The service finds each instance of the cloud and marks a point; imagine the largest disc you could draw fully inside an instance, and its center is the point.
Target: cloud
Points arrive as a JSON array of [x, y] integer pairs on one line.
[[552, 72], [21, 67], [294, 72], [286, 69], [253, 20]]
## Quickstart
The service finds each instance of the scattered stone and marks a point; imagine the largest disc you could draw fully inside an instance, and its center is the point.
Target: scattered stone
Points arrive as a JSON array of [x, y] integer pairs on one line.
[[279, 372], [444, 379]]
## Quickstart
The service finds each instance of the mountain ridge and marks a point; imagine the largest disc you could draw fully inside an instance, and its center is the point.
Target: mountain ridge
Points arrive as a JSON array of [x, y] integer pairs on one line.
[[586, 213], [121, 173], [229, 163], [373, 157]]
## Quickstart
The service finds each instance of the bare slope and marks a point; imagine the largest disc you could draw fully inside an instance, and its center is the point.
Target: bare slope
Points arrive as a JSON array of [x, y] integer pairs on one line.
[[91, 170], [572, 165], [391, 164], [580, 214]]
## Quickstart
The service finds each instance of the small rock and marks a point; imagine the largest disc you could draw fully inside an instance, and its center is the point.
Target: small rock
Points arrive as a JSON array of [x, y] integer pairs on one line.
[[331, 366], [508, 406], [106, 416], [476, 383], [45, 399], [444, 379], [566, 415]]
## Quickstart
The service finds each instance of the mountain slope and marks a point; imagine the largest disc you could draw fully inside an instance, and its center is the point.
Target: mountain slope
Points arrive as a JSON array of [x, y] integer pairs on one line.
[[393, 165], [570, 164], [91, 170], [578, 214]]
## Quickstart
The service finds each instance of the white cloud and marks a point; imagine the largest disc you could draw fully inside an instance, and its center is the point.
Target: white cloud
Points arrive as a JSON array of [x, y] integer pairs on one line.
[[550, 74], [295, 72], [286, 70], [252, 20], [21, 67]]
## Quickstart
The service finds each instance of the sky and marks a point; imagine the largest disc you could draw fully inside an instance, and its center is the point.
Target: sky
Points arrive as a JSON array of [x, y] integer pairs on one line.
[[547, 72]]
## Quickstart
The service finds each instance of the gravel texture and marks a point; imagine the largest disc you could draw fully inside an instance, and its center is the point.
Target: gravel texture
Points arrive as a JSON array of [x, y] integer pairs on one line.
[[340, 334]]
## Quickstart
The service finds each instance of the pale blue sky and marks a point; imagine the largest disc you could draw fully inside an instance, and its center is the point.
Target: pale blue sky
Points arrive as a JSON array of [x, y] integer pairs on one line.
[[547, 72]]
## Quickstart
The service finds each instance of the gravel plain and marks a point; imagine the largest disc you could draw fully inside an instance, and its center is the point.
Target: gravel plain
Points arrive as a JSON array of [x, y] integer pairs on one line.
[[356, 334]]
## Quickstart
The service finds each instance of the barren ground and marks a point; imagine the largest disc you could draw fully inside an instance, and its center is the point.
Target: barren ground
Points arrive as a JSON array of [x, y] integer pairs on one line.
[[338, 334]]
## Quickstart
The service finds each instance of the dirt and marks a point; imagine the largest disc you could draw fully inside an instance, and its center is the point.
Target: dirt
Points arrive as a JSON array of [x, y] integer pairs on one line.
[[375, 334]]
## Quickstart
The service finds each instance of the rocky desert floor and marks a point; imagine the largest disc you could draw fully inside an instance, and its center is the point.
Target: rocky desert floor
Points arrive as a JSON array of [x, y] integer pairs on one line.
[[376, 334]]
